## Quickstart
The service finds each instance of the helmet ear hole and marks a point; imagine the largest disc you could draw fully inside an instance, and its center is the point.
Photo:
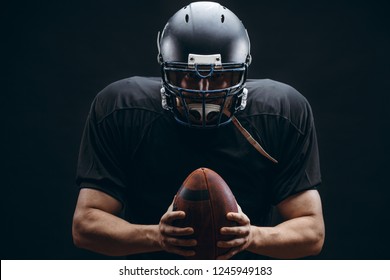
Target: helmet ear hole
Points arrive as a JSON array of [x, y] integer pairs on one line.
[[222, 18], [187, 18], [248, 59]]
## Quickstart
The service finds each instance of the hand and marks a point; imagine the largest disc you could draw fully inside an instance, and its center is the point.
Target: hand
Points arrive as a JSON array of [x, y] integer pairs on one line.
[[169, 238], [242, 234]]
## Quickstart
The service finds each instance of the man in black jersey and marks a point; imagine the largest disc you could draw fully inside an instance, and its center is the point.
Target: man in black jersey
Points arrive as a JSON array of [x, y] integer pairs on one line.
[[144, 136]]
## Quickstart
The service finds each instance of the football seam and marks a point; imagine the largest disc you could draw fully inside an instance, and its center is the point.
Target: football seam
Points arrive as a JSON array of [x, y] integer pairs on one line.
[[212, 215]]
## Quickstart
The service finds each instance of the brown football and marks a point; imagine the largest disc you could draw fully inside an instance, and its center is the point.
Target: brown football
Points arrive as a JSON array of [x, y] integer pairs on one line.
[[206, 199]]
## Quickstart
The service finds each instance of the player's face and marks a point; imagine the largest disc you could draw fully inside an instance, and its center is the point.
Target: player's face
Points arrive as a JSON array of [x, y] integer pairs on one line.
[[202, 82], [216, 81], [190, 80]]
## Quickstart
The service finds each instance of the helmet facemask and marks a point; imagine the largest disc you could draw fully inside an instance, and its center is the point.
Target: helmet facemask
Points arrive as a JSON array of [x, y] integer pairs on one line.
[[204, 94]]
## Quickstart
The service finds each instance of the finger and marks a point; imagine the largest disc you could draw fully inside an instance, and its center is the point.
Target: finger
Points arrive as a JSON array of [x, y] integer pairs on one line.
[[239, 231], [171, 241], [238, 242], [240, 218], [233, 251], [171, 205], [176, 231], [169, 217]]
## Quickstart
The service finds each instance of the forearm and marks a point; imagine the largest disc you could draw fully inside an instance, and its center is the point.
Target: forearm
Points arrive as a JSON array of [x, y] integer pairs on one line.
[[108, 234], [295, 238]]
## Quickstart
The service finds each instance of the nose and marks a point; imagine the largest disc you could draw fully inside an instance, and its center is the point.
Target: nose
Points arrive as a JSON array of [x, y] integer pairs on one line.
[[204, 84]]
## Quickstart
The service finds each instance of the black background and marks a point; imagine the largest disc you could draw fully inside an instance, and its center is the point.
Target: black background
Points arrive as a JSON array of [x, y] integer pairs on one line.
[[57, 55]]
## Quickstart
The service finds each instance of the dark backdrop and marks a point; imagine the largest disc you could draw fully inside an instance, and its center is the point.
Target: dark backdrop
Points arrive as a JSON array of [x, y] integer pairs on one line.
[[57, 55]]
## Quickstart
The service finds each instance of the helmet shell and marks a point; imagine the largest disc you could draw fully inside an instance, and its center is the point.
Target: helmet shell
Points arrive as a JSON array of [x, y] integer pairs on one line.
[[204, 40], [204, 28]]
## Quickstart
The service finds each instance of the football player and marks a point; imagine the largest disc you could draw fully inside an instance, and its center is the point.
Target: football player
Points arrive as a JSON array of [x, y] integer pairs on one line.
[[144, 136]]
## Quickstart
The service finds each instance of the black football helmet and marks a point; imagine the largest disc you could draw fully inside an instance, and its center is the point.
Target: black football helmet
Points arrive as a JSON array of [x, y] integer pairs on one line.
[[204, 52]]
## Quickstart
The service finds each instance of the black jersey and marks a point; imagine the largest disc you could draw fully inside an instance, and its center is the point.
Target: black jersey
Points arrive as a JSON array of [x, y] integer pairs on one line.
[[134, 150]]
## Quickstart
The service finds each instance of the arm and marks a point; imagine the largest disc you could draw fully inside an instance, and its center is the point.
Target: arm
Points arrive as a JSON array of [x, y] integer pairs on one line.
[[301, 234], [97, 227]]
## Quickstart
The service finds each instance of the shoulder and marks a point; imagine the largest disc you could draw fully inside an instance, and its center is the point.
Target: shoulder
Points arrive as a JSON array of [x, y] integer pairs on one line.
[[273, 98], [142, 93]]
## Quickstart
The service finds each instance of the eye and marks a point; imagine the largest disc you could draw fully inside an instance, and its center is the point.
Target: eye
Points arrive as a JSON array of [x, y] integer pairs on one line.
[[192, 77], [217, 77]]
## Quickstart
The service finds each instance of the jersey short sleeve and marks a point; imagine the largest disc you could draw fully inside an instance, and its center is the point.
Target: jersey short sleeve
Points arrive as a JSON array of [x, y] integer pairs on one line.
[[299, 167], [284, 123], [99, 162], [119, 117]]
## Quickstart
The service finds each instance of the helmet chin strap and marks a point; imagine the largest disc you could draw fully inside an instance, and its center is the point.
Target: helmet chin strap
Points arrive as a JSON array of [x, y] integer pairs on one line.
[[214, 108], [252, 140]]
